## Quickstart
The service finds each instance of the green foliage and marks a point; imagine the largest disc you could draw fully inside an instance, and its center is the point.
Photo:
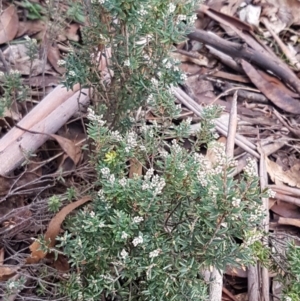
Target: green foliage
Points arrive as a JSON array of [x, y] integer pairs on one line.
[[292, 275], [34, 10], [32, 48], [149, 237], [13, 90], [134, 38], [14, 286], [54, 203], [75, 12]]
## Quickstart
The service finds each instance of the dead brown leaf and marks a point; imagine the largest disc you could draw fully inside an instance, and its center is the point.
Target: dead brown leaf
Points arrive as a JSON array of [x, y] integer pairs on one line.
[[53, 56], [279, 97], [289, 221], [30, 28], [278, 175], [72, 32], [53, 230], [285, 209], [18, 58], [9, 23], [282, 13], [6, 271], [69, 147], [135, 168], [234, 271]]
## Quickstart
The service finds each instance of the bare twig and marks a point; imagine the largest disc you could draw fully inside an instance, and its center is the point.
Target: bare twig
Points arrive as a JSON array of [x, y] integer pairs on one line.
[[263, 185], [232, 128], [285, 189]]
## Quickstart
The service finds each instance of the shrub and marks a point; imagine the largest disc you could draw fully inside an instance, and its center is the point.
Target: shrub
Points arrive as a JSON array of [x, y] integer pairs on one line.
[[162, 212]]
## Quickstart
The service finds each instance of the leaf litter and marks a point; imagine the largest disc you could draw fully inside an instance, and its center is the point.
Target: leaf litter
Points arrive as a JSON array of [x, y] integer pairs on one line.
[[268, 107]]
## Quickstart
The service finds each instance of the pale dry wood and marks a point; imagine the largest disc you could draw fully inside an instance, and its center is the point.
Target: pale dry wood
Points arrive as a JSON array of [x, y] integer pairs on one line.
[[285, 189], [215, 290], [287, 198], [289, 221], [53, 100], [18, 149], [253, 287], [232, 126], [226, 59], [263, 184]]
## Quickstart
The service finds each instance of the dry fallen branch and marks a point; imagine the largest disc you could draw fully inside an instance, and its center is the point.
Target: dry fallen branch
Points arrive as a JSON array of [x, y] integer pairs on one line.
[[17, 144], [239, 51]]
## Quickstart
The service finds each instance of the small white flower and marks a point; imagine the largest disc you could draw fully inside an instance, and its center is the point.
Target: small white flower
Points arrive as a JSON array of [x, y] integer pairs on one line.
[[101, 225], [216, 135], [112, 179], [72, 73], [271, 193], [105, 172], [236, 202], [149, 98], [127, 149], [154, 81], [138, 219], [154, 253], [137, 240], [131, 140], [80, 296], [171, 89], [149, 174], [127, 63], [163, 153], [168, 65], [61, 62], [12, 285], [193, 18], [124, 254], [159, 74], [100, 193], [189, 120], [124, 235], [250, 169], [145, 186], [115, 135], [287, 298], [14, 72], [171, 8], [183, 77], [224, 225], [92, 214], [102, 37], [142, 11], [181, 17], [143, 148], [178, 107], [175, 68], [27, 38], [93, 117], [1, 74], [123, 182]]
